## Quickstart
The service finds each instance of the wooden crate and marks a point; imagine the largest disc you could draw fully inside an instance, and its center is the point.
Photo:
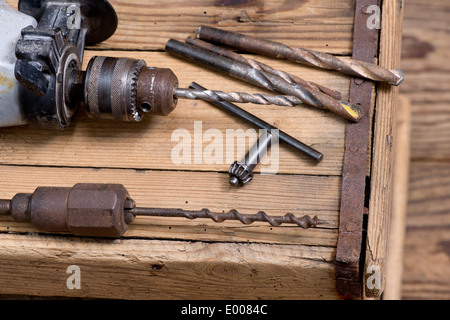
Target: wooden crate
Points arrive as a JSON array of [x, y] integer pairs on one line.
[[181, 259]]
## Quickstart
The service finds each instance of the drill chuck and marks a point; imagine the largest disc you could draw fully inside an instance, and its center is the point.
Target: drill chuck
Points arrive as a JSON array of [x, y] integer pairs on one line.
[[124, 89]]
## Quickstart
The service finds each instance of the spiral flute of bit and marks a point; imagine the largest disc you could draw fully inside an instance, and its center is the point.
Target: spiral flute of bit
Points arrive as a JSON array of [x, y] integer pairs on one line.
[[237, 97], [289, 77], [263, 79], [304, 222], [304, 56]]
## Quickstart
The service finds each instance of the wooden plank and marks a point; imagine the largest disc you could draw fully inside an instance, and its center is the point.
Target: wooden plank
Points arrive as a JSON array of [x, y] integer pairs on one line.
[[137, 269], [301, 195], [427, 82], [426, 272], [149, 144], [147, 25], [427, 244], [394, 254], [382, 151]]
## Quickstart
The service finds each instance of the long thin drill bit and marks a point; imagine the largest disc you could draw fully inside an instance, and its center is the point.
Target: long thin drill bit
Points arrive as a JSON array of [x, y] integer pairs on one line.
[[262, 79], [289, 77], [261, 124], [304, 222], [237, 97], [305, 56]]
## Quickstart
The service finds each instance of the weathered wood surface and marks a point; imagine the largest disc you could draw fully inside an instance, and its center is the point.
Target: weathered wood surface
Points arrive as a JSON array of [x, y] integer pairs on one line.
[[138, 155], [382, 159], [148, 24], [427, 83], [427, 244], [137, 269], [400, 186]]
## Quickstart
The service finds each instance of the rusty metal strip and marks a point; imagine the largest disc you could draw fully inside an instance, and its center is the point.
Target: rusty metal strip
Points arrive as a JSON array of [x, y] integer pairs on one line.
[[349, 247]]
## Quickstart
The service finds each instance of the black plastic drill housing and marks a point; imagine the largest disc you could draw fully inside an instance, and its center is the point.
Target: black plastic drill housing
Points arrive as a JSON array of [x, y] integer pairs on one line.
[[48, 55]]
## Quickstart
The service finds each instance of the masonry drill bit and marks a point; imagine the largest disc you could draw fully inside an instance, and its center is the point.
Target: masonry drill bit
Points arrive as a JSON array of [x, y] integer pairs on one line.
[[289, 77], [262, 79], [309, 57], [304, 222]]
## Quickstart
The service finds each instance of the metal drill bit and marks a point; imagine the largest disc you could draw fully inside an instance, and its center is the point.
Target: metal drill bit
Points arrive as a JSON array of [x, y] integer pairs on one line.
[[263, 79], [309, 57], [261, 124], [237, 97], [304, 222], [289, 77]]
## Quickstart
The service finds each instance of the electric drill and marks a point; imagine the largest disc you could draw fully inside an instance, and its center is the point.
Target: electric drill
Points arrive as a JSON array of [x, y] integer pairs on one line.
[[41, 81]]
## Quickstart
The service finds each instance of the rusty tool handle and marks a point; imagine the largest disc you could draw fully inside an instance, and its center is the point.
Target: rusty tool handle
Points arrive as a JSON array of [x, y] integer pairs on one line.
[[5, 206], [309, 57]]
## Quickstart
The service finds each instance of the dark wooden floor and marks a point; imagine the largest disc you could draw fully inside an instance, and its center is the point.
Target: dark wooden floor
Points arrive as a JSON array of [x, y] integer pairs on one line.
[[426, 56]]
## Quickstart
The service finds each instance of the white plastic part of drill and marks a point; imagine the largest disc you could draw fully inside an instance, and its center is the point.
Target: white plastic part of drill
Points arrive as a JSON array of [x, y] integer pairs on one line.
[[11, 24]]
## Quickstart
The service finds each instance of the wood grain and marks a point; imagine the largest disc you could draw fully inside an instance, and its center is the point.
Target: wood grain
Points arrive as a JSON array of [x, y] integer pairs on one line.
[[400, 183], [382, 156], [263, 262], [427, 255], [148, 24], [137, 269], [427, 83]]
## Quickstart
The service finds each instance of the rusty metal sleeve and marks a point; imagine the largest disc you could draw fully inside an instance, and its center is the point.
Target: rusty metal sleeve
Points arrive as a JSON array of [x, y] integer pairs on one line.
[[262, 79], [5, 206], [305, 56], [304, 222], [289, 77]]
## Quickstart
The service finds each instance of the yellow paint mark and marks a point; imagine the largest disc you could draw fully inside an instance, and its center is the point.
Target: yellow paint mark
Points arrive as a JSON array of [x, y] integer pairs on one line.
[[355, 115]]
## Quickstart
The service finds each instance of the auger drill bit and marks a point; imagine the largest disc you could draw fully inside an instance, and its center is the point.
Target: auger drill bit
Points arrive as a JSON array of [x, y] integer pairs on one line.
[[304, 56], [106, 210], [304, 222]]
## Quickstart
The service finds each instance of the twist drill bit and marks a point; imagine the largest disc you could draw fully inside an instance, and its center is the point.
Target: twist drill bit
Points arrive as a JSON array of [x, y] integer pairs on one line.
[[263, 79], [261, 124], [309, 57], [237, 97], [289, 77], [304, 222]]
